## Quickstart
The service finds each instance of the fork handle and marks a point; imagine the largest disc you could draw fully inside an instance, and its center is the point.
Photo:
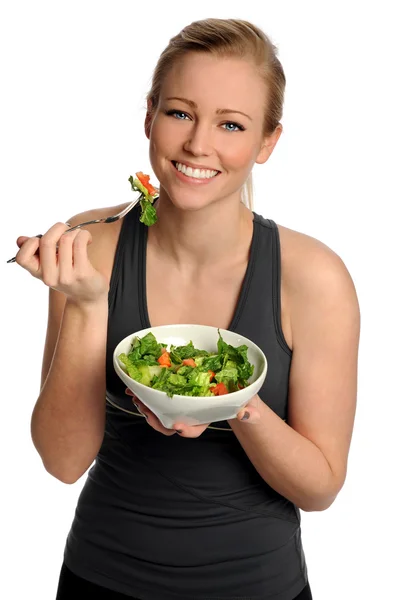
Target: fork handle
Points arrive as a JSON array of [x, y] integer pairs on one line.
[[12, 260]]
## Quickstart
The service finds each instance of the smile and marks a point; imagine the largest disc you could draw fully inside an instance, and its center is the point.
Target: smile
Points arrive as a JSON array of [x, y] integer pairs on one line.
[[195, 173]]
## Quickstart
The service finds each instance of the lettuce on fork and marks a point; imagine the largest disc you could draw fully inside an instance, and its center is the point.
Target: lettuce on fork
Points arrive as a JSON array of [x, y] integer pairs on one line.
[[148, 194], [186, 370]]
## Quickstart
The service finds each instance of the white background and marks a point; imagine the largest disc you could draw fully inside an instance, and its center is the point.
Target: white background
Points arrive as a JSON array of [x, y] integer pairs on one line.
[[73, 81]]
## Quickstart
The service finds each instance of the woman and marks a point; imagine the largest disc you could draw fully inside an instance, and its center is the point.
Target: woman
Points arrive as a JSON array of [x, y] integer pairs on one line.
[[209, 511]]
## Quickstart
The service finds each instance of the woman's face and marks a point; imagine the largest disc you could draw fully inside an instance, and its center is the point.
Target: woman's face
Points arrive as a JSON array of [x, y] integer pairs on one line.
[[210, 117]]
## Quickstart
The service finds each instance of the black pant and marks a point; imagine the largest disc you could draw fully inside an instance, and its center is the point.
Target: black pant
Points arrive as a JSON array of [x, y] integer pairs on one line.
[[71, 586]]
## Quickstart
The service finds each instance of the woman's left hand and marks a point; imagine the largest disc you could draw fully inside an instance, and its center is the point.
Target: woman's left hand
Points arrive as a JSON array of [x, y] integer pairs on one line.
[[249, 414]]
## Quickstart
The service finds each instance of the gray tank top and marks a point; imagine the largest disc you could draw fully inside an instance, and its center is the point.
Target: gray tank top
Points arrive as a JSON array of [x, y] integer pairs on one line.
[[169, 518]]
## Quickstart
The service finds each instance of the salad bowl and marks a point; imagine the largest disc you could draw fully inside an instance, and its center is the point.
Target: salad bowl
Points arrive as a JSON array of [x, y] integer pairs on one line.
[[174, 408]]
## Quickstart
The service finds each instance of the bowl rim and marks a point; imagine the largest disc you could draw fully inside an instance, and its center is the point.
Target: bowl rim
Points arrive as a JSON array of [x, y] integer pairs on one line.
[[118, 367]]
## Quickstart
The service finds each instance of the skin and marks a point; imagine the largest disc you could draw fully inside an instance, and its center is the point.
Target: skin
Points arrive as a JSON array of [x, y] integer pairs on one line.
[[198, 134], [304, 459]]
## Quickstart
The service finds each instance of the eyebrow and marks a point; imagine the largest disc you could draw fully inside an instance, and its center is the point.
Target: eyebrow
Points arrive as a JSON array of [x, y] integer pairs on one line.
[[219, 111]]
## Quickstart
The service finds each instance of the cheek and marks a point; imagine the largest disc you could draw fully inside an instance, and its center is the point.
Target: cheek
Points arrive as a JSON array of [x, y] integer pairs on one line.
[[158, 140], [238, 154], [165, 130]]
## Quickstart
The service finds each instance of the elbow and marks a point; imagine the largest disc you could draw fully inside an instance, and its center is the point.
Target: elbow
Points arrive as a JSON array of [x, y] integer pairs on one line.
[[67, 469], [64, 474], [316, 504], [67, 478], [321, 500]]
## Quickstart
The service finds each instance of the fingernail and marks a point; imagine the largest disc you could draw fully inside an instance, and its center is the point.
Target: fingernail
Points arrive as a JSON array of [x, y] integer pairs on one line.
[[179, 430], [245, 416]]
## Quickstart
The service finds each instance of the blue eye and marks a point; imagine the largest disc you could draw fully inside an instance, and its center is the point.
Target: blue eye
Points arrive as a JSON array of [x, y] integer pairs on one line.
[[238, 127], [182, 116], [177, 112]]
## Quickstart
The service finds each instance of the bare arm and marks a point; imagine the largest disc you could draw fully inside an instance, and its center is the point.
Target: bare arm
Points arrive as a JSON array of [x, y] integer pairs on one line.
[[305, 459], [68, 419]]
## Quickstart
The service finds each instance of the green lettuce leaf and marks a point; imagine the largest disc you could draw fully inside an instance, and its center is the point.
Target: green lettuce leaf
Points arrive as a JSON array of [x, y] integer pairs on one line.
[[179, 353], [149, 214], [230, 365]]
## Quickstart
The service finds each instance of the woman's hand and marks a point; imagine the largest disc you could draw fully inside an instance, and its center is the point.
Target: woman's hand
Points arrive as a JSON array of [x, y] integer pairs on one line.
[[249, 414], [189, 431], [67, 268]]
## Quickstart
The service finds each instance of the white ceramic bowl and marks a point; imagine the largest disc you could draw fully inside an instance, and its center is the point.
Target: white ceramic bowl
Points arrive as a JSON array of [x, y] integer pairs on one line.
[[193, 410]]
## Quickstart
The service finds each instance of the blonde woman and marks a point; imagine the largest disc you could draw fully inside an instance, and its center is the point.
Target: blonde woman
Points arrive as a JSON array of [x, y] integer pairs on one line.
[[211, 511]]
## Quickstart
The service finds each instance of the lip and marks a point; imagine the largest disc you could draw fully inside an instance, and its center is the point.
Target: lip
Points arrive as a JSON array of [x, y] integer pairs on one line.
[[194, 166], [193, 181]]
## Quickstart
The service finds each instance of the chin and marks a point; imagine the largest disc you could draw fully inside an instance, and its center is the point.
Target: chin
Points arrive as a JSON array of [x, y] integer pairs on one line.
[[190, 201]]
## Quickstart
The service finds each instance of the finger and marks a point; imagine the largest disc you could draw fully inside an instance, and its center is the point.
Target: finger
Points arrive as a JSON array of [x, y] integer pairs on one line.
[[26, 257], [65, 257], [190, 431], [248, 414], [151, 418], [21, 240], [156, 424], [48, 254], [81, 242]]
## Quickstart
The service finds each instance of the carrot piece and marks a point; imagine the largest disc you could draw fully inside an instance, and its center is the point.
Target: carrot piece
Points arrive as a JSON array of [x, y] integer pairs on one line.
[[189, 362], [220, 389], [145, 180], [164, 360]]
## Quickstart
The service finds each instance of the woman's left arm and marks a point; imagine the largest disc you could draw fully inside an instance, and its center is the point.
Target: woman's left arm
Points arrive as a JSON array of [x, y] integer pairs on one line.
[[305, 459]]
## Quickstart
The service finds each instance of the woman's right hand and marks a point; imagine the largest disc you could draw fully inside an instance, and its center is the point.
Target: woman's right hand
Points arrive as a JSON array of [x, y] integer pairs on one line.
[[188, 431], [68, 269], [150, 417]]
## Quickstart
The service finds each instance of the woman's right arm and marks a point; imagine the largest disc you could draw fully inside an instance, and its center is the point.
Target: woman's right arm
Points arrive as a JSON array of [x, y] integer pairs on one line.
[[68, 419]]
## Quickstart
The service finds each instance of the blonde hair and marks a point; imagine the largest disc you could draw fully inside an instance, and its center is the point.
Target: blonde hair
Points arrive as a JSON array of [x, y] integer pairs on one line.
[[233, 38]]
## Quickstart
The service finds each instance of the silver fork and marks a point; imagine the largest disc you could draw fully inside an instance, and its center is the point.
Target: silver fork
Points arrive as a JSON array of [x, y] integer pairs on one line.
[[111, 219]]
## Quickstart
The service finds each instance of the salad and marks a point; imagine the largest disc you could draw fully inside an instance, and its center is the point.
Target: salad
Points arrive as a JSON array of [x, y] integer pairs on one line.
[[149, 193], [185, 370]]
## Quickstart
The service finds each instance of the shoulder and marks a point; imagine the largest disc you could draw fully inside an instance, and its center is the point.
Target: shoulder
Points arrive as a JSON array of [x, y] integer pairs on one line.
[[309, 263], [315, 280], [104, 236]]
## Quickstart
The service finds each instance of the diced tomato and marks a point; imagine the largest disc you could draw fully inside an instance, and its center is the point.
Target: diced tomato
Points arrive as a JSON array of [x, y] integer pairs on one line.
[[240, 386], [212, 375], [145, 180], [189, 362], [164, 360], [219, 390]]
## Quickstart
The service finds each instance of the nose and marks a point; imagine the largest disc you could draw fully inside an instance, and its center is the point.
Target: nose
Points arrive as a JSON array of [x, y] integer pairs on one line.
[[199, 142]]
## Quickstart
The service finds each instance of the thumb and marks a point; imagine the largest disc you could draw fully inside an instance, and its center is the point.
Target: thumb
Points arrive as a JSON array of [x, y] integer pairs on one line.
[[248, 414], [21, 240]]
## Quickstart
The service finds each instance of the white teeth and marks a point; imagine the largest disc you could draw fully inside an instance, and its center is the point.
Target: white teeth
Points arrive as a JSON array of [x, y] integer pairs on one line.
[[195, 173]]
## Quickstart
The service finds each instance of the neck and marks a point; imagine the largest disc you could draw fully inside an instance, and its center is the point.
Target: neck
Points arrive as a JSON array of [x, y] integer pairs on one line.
[[209, 236]]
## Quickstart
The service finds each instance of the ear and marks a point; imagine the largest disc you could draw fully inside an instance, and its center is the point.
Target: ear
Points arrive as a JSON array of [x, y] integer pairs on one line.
[[149, 118], [268, 145]]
